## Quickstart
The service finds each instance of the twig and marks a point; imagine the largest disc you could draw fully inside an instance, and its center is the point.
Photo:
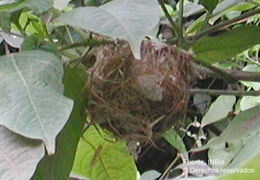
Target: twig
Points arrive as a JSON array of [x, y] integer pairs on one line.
[[224, 92], [169, 167], [181, 23], [173, 24], [227, 23], [220, 72]]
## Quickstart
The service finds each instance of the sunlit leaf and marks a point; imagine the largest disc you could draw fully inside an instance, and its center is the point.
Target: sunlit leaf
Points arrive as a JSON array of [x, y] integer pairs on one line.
[[99, 159]]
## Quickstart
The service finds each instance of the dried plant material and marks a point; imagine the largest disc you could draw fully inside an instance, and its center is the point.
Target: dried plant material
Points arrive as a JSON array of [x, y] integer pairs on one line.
[[138, 99]]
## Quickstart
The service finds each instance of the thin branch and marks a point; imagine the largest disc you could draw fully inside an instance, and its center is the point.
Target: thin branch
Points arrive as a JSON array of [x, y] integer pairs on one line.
[[224, 92], [170, 167], [181, 23], [244, 75], [227, 23], [173, 24], [216, 71]]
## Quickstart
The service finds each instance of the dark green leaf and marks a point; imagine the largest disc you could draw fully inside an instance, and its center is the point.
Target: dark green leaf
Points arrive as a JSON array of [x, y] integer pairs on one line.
[[226, 45], [210, 5], [176, 141], [60, 164]]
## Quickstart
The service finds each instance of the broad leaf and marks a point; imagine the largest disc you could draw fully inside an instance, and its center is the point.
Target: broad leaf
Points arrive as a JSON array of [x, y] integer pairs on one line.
[[38, 6], [18, 156], [244, 124], [251, 147], [129, 20], [210, 5], [219, 109], [248, 102], [31, 100], [226, 45], [60, 164], [251, 170], [98, 159]]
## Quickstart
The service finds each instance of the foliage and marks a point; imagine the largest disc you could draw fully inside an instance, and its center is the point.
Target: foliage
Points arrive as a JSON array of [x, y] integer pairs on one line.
[[46, 50]]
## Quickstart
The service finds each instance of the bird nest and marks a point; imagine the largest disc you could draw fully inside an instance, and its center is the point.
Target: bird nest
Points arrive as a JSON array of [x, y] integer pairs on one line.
[[138, 99]]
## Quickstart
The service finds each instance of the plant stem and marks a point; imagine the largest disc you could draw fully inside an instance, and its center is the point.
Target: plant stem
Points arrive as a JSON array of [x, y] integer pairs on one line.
[[173, 24], [181, 23], [169, 167], [224, 92], [220, 72], [227, 23]]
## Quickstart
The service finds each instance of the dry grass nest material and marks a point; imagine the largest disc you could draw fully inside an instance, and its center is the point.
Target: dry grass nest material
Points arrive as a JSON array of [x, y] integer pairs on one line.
[[138, 99]]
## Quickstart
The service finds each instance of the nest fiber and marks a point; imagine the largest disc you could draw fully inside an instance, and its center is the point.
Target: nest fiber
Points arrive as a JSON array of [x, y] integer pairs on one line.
[[138, 99]]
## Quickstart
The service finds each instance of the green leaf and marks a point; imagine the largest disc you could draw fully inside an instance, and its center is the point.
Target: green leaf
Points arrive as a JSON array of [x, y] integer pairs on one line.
[[18, 156], [224, 155], [248, 102], [39, 6], [5, 21], [226, 45], [31, 96], [250, 148], [210, 5], [98, 159], [173, 138], [33, 42], [252, 68], [245, 123], [60, 164], [129, 20], [251, 169], [219, 109]]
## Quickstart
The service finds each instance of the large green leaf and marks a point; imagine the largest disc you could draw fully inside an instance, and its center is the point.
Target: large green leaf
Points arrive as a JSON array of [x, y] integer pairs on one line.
[[38, 6], [226, 45], [98, 159], [129, 20], [244, 124], [250, 170], [60, 164], [219, 109], [18, 156], [31, 100]]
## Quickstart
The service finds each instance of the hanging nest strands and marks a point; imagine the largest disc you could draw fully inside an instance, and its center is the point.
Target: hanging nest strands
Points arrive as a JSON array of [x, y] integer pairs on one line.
[[138, 99]]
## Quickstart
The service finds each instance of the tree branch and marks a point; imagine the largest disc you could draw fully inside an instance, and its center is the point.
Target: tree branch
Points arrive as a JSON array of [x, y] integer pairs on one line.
[[224, 92]]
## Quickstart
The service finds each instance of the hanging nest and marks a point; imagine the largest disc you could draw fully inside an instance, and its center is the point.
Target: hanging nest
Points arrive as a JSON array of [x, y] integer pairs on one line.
[[138, 99]]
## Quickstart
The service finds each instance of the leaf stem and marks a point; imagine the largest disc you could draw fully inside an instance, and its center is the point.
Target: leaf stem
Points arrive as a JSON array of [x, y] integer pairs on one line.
[[215, 92]]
